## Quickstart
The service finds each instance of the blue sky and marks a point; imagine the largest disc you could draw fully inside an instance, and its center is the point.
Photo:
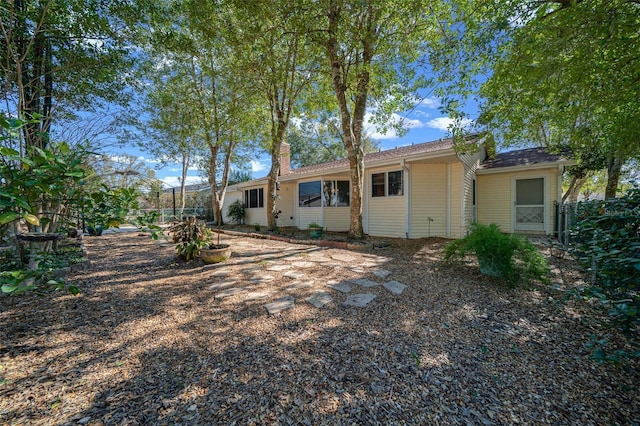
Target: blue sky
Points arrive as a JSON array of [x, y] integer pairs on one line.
[[424, 123]]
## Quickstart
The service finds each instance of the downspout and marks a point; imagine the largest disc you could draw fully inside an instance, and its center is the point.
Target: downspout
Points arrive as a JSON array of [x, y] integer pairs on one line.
[[407, 196]]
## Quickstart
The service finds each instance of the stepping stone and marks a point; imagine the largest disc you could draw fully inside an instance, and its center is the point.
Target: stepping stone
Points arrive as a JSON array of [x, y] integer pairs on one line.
[[341, 286], [304, 264], [277, 268], [298, 285], [356, 269], [381, 273], [294, 274], [259, 295], [359, 300], [221, 273], [259, 279], [343, 258], [394, 287], [230, 292], [251, 270], [319, 299], [280, 305], [222, 285], [363, 282]]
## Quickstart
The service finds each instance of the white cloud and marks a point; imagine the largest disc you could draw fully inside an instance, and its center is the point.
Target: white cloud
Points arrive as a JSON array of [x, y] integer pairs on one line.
[[174, 181], [257, 166], [374, 131], [432, 103], [443, 123]]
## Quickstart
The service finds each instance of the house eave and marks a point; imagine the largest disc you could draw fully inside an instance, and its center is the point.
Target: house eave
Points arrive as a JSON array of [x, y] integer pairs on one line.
[[525, 167]]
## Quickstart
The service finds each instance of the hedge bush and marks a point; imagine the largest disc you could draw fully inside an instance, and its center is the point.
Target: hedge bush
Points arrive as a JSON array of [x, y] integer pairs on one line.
[[606, 241]]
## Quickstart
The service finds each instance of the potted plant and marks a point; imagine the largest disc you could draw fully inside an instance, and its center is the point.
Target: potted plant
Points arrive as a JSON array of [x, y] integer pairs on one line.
[[194, 238], [315, 230], [215, 253], [191, 235], [512, 257]]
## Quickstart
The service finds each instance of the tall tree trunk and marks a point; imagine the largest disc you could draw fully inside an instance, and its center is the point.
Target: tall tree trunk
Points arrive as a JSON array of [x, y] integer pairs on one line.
[[183, 178], [274, 173], [614, 167], [222, 191], [352, 125], [578, 178]]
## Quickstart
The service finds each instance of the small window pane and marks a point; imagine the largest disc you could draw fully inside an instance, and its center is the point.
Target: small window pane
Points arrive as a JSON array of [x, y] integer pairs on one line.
[[335, 193], [254, 198], [342, 195], [309, 194], [377, 185], [395, 183], [530, 192]]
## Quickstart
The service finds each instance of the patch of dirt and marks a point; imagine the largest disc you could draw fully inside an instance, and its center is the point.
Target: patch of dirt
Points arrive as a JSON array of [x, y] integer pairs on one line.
[[148, 342]]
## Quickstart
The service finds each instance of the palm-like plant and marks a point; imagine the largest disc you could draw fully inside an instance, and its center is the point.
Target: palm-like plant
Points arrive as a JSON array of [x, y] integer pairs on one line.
[[191, 235]]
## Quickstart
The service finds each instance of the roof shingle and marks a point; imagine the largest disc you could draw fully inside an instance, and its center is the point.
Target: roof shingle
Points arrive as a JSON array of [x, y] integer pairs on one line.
[[524, 157]]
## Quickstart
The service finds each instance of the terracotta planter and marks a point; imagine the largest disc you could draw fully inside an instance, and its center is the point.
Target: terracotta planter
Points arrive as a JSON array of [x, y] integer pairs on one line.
[[215, 253]]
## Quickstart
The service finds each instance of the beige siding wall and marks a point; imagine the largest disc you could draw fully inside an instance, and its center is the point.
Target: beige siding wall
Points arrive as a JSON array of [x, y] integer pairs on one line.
[[470, 162], [309, 215], [428, 200], [456, 210], [494, 200], [495, 197], [337, 218], [386, 216], [285, 204]]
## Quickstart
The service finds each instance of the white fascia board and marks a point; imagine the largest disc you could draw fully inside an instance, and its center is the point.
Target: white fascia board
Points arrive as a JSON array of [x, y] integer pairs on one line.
[[522, 168]]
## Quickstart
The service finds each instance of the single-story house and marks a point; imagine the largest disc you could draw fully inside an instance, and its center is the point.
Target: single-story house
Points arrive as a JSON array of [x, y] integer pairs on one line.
[[422, 190]]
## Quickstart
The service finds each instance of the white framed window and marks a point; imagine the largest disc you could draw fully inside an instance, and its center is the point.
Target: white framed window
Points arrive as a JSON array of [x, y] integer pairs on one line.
[[387, 184], [310, 194], [254, 198]]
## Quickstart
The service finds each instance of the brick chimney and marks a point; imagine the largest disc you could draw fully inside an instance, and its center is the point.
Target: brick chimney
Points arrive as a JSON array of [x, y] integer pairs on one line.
[[285, 159]]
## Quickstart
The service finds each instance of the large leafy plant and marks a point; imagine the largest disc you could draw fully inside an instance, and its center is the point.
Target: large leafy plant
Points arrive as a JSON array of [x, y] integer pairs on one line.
[[512, 257], [40, 186], [191, 235], [107, 207]]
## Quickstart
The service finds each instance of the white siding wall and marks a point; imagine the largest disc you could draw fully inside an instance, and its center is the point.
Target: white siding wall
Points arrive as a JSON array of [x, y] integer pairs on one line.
[[229, 198], [337, 218], [256, 214], [428, 200], [285, 204]]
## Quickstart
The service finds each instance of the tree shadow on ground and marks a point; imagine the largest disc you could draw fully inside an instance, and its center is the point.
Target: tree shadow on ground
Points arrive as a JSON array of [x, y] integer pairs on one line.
[[160, 348]]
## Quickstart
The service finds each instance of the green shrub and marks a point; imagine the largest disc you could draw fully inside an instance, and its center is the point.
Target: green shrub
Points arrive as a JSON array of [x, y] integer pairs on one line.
[[511, 257], [606, 242], [236, 211]]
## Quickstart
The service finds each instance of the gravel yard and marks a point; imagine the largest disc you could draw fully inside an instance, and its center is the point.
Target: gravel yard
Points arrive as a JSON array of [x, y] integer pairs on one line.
[[153, 340]]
